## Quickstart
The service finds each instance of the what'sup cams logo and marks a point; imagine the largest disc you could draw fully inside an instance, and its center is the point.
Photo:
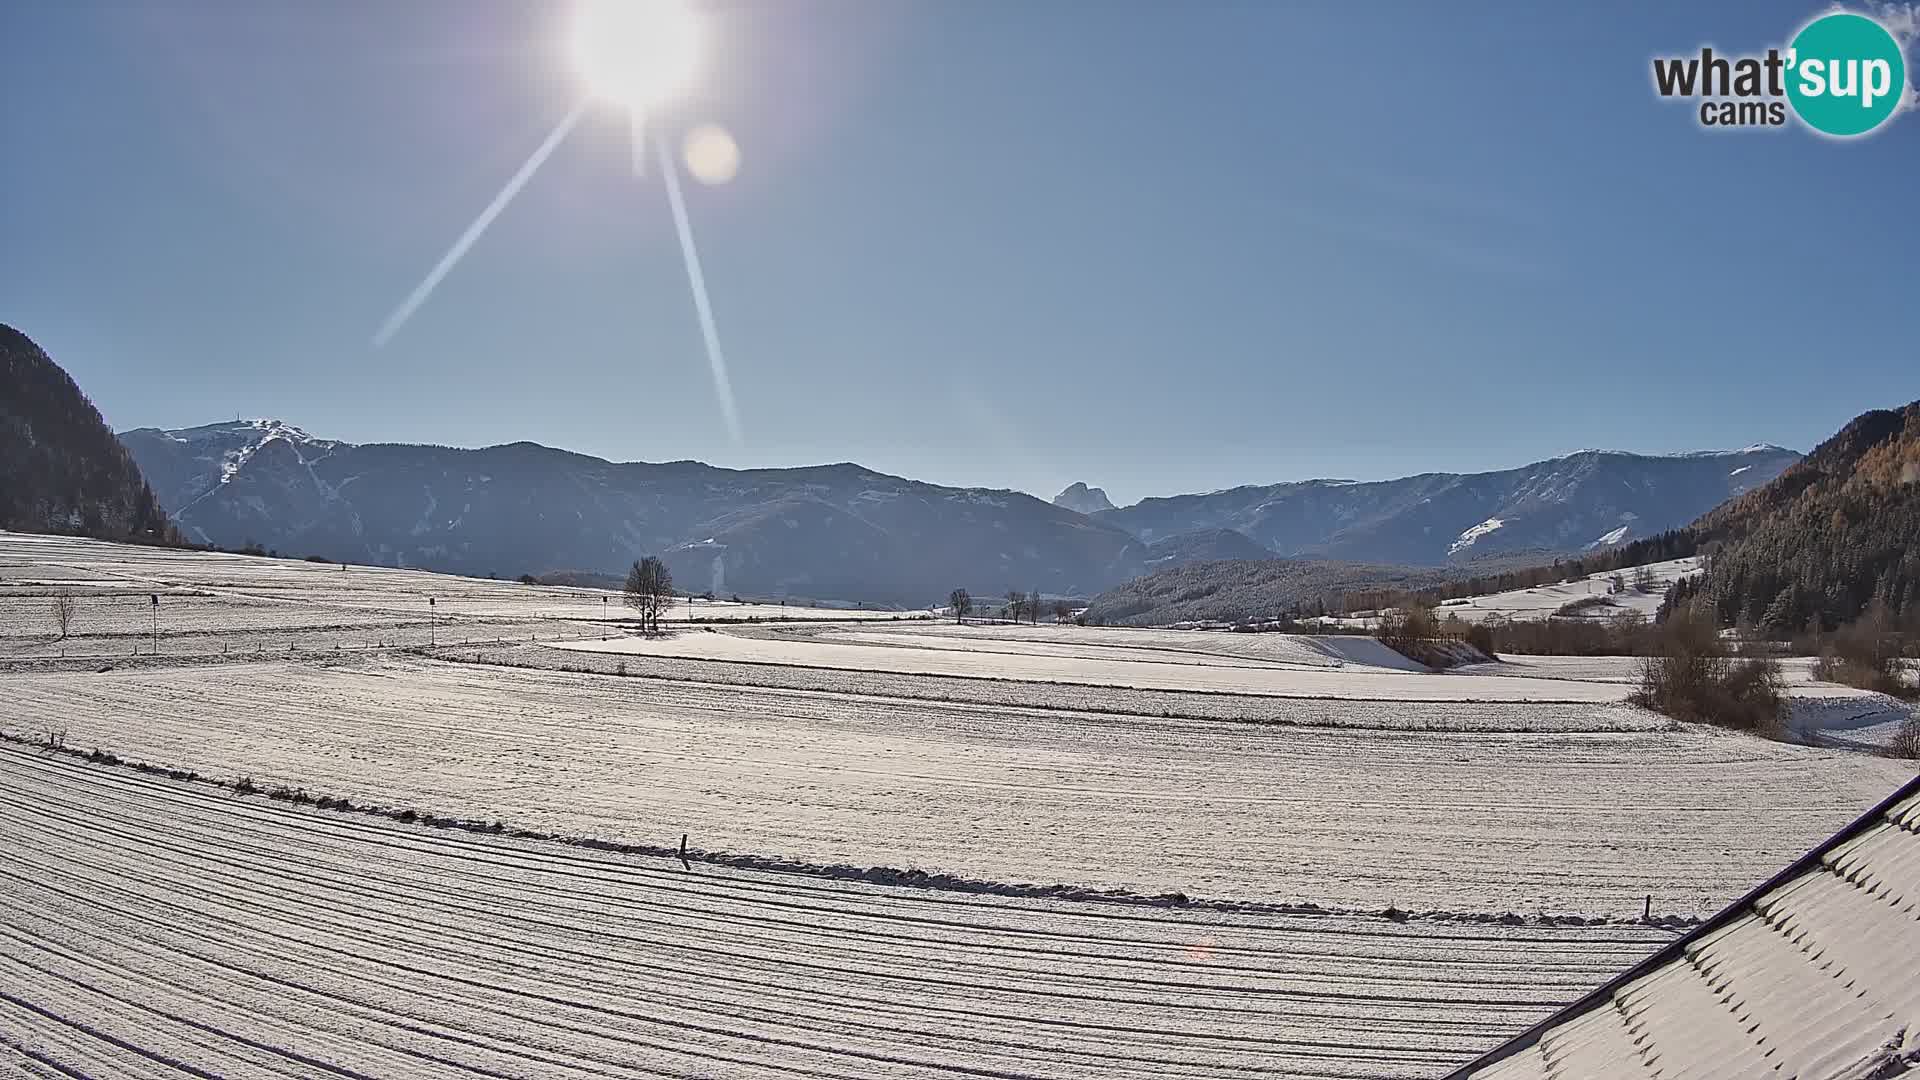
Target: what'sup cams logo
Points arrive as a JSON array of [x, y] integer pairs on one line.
[[1843, 75]]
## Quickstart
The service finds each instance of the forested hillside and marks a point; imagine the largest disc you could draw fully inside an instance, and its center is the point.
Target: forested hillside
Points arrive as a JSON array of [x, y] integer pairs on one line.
[[1242, 590], [61, 469], [1829, 536]]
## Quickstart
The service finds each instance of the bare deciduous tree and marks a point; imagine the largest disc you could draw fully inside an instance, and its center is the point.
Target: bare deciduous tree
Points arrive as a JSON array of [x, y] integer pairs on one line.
[[1906, 739], [649, 588], [962, 604], [1643, 580], [1062, 610], [63, 614]]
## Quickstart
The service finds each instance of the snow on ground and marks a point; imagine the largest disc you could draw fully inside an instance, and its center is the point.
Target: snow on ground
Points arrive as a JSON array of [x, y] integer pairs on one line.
[[1827, 715], [1557, 821], [154, 926], [1472, 536], [213, 602], [1820, 713], [1087, 665], [1480, 716], [1544, 601], [1165, 646], [1796, 670]]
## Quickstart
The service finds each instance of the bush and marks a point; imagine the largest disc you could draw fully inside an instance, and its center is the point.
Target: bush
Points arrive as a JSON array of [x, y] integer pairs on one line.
[[1480, 636], [1906, 741], [1865, 653], [1691, 677], [1584, 605]]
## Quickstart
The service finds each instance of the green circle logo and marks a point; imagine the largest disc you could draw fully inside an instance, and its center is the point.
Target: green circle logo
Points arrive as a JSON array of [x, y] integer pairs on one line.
[[1846, 75]]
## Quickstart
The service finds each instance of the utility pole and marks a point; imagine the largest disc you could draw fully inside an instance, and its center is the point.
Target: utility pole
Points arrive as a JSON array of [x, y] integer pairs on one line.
[[605, 618], [154, 599], [430, 636]]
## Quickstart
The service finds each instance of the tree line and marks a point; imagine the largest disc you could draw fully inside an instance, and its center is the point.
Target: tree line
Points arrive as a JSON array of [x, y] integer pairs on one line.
[[1020, 607]]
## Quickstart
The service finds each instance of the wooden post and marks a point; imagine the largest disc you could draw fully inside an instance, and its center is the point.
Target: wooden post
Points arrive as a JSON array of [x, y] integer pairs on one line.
[[684, 864], [1647, 916]]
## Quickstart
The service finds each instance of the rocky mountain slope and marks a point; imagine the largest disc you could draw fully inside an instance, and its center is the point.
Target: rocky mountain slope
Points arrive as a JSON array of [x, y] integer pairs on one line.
[[1584, 501], [836, 531], [61, 470], [1082, 499]]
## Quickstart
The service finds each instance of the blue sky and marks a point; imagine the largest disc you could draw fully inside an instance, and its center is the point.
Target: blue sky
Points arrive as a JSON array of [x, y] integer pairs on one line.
[[1157, 247]]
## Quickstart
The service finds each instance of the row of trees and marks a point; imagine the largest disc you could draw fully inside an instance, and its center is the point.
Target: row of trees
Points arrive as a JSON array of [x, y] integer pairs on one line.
[[1027, 606]]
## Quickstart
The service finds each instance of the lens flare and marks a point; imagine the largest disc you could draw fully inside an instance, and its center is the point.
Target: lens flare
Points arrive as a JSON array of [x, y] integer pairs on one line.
[[711, 154], [636, 53], [722, 386], [459, 249]]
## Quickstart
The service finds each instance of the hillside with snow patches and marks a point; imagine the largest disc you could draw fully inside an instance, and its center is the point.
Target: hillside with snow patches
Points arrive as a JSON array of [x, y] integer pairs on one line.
[[1581, 502], [830, 531], [850, 533]]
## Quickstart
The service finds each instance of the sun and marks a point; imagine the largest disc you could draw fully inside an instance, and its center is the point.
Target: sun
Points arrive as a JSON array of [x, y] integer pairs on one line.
[[637, 53]]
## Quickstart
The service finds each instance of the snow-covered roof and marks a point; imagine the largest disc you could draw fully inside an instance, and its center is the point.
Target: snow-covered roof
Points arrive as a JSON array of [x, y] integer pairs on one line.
[[1815, 974]]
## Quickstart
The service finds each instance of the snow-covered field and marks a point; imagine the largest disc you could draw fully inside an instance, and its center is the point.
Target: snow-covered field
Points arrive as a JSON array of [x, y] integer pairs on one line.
[[1557, 821], [1541, 602], [151, 927], [148, 926], [903, 688], [211, 602], [1317, 672]]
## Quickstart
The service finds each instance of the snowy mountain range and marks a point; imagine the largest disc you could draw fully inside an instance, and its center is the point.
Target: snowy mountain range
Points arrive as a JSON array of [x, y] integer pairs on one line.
[[847, 532], [1584, 501], [828, 531]]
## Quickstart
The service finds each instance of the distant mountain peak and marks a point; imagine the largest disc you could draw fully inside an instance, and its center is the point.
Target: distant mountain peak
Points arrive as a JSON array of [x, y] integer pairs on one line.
[[252, 431], [1082, 499], [1746, 451]]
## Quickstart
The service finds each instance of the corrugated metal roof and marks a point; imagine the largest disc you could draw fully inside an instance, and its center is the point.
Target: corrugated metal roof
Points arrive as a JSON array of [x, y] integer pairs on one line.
[[1813, 975]]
